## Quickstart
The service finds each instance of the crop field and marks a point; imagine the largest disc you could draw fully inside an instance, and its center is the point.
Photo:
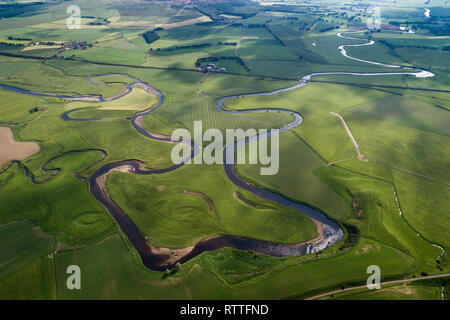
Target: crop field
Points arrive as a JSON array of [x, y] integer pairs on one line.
[[131, 280], [22, 242], [88, 175], [161, 217]]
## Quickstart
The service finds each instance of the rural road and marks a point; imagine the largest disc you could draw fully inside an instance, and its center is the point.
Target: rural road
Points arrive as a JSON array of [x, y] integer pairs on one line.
[[383, 283], [239, 43], [349, 133]]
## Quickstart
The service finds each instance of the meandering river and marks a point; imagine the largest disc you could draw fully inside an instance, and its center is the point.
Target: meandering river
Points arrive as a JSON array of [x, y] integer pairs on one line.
[[163, 258]]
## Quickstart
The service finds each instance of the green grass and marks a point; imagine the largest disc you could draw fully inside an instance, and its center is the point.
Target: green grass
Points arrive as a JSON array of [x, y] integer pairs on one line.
[[121, 141], [221, 85], [11, 66], [35, 281], [410, 291], [21, 243], [124, 278], [203, 108], [377, 215], [182, 60], [412, 149], [111, 55], [189, 35], [319, 129], [137, 99], [95, 113], [112, 78], [296, 177], [408, 131], [16, 107], [424, 57], [47, 79], [431, 205], [264, 49], [377, 52], [160, 214], [409, 111]]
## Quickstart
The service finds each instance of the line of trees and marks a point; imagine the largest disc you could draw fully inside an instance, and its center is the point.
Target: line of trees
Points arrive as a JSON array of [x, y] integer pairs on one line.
[[329, 29], [251, 25], [238, 60], [394, 46], [196, 46], [19, 39], [8, 44], [150, 36]]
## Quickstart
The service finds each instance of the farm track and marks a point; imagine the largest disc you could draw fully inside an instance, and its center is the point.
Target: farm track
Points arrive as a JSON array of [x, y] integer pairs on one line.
[[437, 276], [163, 258], [361, 156]]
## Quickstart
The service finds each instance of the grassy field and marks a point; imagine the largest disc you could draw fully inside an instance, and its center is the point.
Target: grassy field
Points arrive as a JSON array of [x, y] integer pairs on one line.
[[296, 177], [397, 292], [36, 279], [17, 107], [407, 111], [57, 81], [61, 206], [375, 212], [384, 111], [412, 149], [137, 99], [22, 242], [125, 278], [330, 141], [161, 213]]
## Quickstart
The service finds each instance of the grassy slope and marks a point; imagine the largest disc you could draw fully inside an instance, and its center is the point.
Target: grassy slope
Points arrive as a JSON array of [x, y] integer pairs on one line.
[[21, 243]]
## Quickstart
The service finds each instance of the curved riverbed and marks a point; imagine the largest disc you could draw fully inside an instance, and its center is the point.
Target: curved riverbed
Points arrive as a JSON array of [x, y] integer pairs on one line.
[[163, 258]]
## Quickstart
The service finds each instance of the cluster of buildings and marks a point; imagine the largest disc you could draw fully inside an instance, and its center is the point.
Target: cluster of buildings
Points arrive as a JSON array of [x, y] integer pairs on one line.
[[213, 67], [75, 45]]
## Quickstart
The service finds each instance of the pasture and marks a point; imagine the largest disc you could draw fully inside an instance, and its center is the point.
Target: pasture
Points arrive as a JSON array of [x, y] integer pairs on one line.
[[21, 243]]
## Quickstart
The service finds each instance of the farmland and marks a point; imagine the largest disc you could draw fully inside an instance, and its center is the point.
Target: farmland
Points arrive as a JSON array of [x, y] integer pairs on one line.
[[94, 107]]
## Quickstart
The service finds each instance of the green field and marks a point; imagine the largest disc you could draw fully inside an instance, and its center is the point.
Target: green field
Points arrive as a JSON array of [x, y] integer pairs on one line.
[[391, 203], [22, 242], [296, 177], [124, 278], [169, 210]]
